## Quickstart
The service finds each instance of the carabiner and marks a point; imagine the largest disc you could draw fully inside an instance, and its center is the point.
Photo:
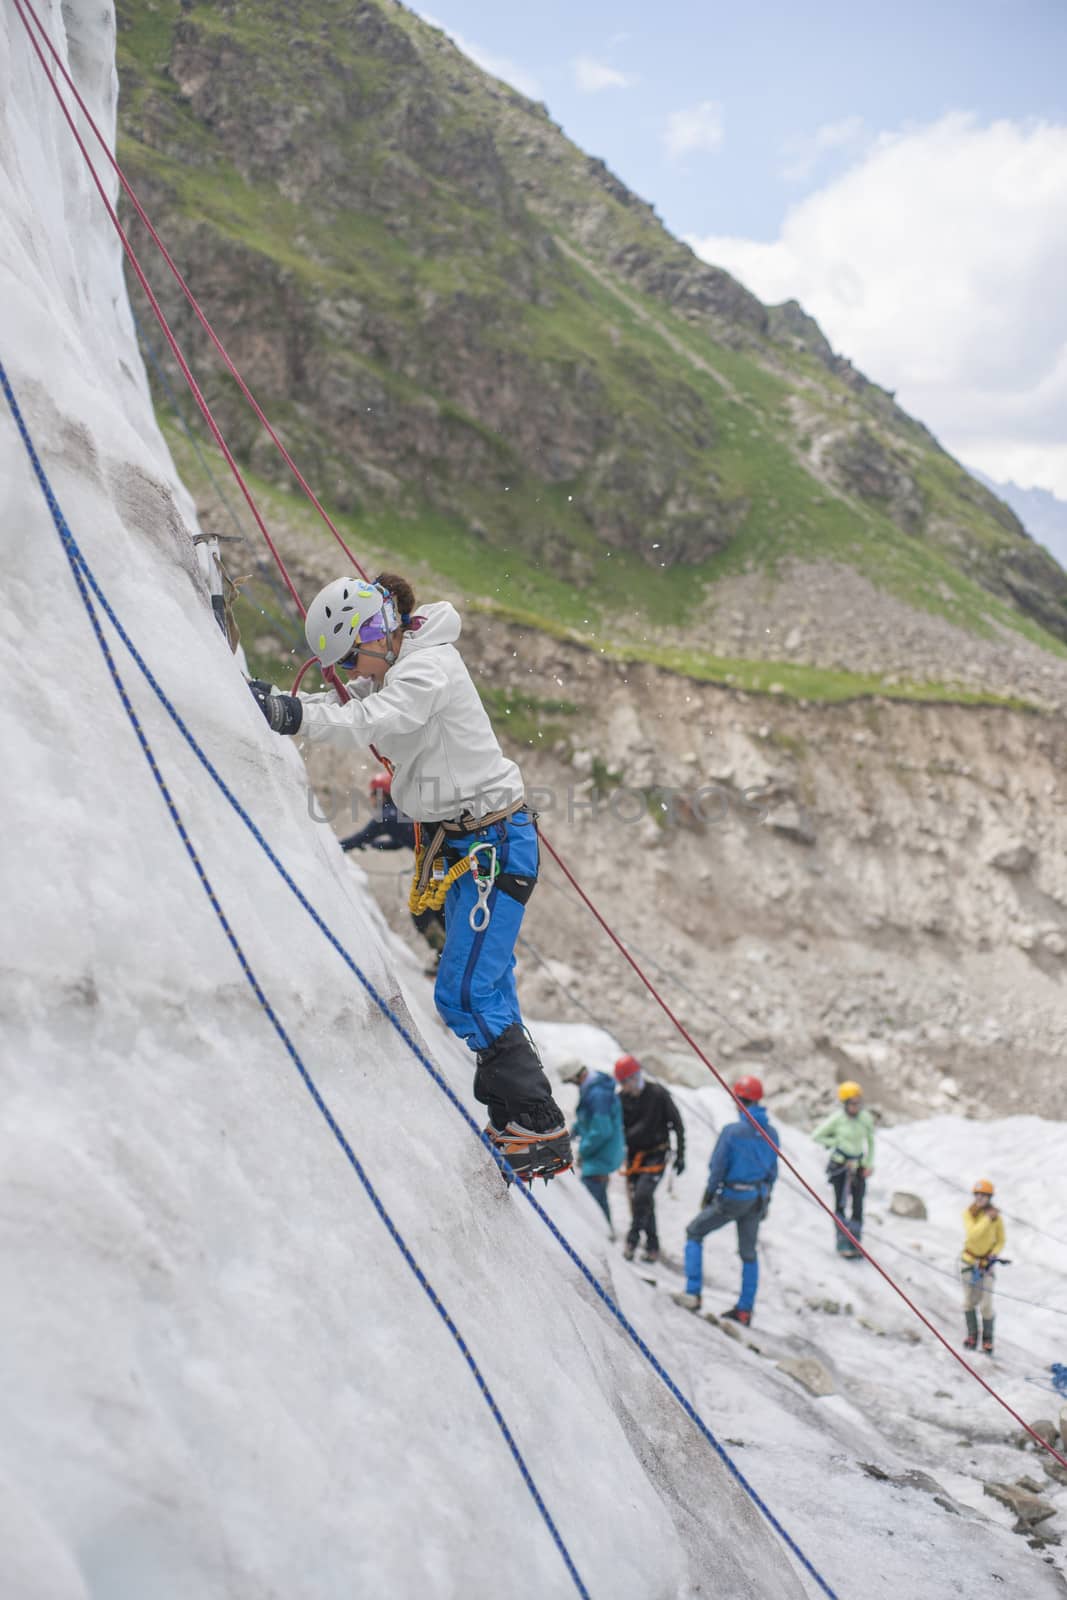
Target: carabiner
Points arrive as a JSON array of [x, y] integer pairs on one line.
[[483, 883]]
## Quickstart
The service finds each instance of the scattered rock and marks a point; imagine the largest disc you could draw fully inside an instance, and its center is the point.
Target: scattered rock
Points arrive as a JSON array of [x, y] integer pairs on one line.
[[809, 1373], [1028, 1508], [907, 1205], [1013, 857], [914, 1479], [791, 822], [831, 1307]]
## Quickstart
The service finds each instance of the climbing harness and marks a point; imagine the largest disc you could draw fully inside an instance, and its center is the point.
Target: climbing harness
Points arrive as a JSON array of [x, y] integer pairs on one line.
[[484, 879], [433, 877]]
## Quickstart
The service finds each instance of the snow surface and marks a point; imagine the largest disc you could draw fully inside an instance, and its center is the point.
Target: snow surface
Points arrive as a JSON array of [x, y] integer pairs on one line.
[[218, 1377]]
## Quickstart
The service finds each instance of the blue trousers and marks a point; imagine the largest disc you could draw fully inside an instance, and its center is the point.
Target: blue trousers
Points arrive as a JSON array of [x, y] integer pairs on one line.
[[475, 989], [745, 1211]]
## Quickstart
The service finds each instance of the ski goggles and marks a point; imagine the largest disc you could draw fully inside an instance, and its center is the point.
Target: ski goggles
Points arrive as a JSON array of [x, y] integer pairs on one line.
[[377, 627]]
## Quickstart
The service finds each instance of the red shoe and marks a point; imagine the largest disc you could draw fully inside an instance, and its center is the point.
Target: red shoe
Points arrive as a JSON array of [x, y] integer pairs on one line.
[[970, 1344], [735, 1314]]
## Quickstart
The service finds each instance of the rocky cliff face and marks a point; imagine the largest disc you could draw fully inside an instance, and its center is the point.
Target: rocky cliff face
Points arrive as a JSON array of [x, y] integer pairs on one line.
[[872, 889], [457, 315]]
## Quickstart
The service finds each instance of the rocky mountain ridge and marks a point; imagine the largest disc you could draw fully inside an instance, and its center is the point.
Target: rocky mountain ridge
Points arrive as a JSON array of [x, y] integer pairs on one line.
[[471, 329]]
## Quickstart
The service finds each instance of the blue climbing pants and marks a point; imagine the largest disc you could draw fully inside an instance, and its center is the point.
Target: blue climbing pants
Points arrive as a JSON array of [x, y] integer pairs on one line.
[[746, 1211], [475, 989]]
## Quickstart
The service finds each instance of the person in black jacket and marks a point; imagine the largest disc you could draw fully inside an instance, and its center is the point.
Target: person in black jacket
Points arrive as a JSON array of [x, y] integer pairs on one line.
[[388, 830], [649, 1114]]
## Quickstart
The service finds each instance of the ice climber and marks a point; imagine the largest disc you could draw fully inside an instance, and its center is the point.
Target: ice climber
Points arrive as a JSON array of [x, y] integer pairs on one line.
[[388, 830], [984, 1228], [741, 1178], [598, 1129], [848, 1134], [649, 1114], [414, 701]]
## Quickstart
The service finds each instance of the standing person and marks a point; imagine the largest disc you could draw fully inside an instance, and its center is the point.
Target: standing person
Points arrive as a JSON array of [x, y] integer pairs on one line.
[[390, 831], [984, 1229], [415, 703], [598, 1129], [741, 1177], [848, 1134], [648, 1115]]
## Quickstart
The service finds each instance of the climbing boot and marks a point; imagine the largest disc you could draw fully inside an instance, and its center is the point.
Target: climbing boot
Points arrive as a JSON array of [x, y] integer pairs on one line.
[[688, 1302], [533, 1145], [735, 1314], [651, 1254], [971, 1341], [987, 1336]]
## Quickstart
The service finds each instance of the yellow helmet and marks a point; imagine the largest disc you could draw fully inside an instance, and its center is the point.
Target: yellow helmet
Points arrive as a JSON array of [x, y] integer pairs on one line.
[[983, 1186], [849, 1091]]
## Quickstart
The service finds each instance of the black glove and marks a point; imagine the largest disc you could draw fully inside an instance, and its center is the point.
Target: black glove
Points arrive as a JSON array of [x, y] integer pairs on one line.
[[283, 712], [679, 1163]]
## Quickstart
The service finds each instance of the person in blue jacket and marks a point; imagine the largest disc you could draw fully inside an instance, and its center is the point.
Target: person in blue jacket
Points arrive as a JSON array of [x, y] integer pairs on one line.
[[740, 1179], [598, 1127]]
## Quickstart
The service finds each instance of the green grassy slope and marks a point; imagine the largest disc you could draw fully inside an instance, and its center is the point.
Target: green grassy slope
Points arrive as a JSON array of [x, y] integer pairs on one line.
[[500, 365]]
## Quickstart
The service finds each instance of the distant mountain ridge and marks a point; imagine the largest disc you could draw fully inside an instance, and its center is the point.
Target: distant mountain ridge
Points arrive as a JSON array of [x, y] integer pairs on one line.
[[476, 339], [1041, 513]]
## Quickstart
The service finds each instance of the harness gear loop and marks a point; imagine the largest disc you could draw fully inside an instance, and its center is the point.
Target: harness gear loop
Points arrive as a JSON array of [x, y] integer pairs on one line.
[[484, 879], [433, 877]]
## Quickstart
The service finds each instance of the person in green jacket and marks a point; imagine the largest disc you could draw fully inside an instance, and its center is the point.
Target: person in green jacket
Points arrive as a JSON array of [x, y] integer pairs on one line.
[[849, 1136]]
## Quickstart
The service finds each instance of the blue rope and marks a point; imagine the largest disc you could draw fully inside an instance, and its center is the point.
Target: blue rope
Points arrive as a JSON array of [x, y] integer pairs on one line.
[[80, 572], [78, 559]]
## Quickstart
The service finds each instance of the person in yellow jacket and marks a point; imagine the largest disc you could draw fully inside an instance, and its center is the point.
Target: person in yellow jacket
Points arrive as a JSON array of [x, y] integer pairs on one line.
[[984, 1227]]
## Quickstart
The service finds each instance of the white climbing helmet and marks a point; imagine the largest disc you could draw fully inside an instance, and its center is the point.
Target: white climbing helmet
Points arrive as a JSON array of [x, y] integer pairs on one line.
[[337, 614]]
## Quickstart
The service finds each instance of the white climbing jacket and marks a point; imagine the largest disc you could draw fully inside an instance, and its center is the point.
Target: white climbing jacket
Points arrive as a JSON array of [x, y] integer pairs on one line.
[[427, 719]]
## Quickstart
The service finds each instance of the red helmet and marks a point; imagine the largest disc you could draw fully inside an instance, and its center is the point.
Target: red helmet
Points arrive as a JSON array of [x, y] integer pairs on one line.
[[748, 1089], [381, 780], [626, 1067]]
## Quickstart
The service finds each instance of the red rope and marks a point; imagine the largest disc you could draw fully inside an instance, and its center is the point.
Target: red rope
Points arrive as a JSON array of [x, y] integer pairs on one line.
[[205, 409], [186, 291], [819, 1201]]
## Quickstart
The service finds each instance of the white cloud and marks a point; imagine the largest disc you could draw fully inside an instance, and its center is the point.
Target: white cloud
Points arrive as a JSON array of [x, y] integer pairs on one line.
[[937, 264], [497, 66], [592, 76], [804, 152], [697, 128]]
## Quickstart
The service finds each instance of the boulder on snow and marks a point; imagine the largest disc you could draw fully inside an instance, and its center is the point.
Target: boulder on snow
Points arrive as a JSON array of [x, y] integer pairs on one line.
[[1027, 1507], [809, 1373], [908, 1205], [1043, 1427]]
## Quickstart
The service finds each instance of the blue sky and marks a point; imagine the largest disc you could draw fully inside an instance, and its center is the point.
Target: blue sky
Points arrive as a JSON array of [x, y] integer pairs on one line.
[[901, 169], [779, 72]]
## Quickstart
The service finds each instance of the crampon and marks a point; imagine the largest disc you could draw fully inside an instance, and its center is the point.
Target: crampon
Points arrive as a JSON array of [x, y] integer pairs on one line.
[[532, 1155]]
